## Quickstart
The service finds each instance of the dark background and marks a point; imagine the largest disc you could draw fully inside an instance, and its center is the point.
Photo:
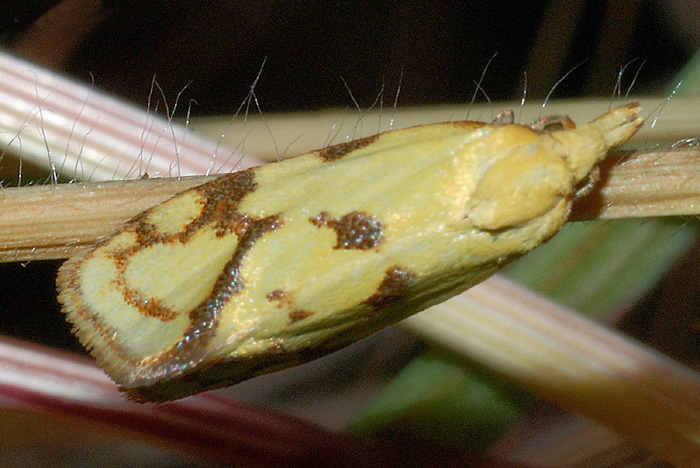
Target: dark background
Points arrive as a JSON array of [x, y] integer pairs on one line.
[[440, 46]]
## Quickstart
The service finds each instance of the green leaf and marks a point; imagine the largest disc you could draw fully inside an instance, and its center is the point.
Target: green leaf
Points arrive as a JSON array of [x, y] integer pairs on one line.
[[600, 266], [436, 399]]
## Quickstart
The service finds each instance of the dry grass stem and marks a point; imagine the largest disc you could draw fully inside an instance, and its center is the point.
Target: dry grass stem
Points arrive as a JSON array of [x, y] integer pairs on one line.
[[55, 221], [644, 184]]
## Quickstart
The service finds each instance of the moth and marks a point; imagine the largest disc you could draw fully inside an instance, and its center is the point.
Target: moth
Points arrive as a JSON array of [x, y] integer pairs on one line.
[[277, 265]]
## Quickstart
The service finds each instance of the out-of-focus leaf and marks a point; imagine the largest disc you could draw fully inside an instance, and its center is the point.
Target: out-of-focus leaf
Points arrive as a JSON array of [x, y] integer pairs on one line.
[[689, 76], [436, 399], [596, 267]]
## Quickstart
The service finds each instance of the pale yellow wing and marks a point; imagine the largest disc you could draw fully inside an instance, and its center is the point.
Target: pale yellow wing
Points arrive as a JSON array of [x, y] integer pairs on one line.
[[279, 264]]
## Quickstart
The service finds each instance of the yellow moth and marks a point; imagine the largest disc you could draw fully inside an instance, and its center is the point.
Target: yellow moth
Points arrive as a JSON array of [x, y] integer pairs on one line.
[[279, 264]]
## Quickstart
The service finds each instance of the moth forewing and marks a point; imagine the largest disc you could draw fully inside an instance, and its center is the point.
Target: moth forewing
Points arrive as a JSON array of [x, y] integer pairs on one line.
[[282, 263]]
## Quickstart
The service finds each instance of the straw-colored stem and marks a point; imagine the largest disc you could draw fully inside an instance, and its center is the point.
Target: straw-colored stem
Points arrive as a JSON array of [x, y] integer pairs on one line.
[[55, 221], [643, 184]]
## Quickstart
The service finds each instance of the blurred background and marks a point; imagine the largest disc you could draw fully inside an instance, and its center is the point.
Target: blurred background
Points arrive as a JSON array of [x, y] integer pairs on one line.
[[440, 47], [315, 51]]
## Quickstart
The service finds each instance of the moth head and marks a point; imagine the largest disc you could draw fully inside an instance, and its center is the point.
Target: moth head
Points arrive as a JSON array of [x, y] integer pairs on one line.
[[528, 178]]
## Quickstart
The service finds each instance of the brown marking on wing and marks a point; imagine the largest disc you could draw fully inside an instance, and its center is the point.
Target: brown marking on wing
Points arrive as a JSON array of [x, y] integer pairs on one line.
[[335, 152], [281, 297], [299, 314], [68, 280], [355, 230], [205, 318], [149, 307], [222, 197], [221, 200], [285, 299], [276, 295], [225, 372], [394, 286]]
